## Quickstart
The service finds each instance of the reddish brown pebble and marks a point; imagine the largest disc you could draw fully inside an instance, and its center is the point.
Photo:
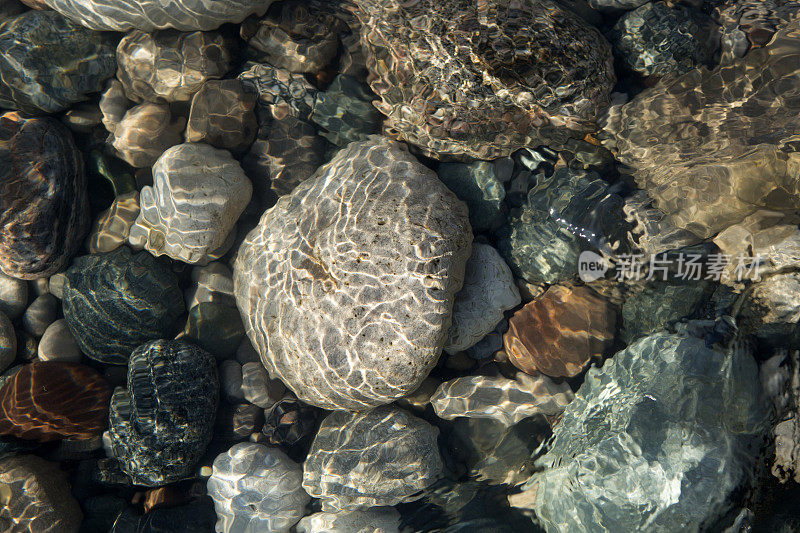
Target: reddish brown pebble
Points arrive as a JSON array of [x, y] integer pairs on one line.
[[559, 333], [52, 400], [169, 496]]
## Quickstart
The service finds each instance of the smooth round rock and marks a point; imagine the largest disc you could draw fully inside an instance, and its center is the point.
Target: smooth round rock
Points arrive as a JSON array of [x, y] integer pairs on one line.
[[48, 62], [58, 344], [8, 342], [112, 227], [144, 133], [223, 115], [230, 381], [116, 301], [13, 296], [256, 488], [43, 202], [375, 520], [347, 284], [360, 460], [161, 424], [41, 313]]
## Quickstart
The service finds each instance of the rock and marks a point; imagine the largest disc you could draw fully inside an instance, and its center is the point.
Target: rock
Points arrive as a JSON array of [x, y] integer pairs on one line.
[[37, 497], [420, 398], [215, 327], [559, 333], [290, 422], [750, 24], [13, 296], [194, 517], [43, 202], [238, 422], [52, 400], [622, 431], [27, 347], [693, 155], [214, 284], [490, 344], [113, 226], [652, 231], [258, 388], [357, 307], [422, 54], [657, 39], [58, 344], [345, 113], [245, 353], [230, 381], [256, 488], [8, 342], [83, 118], [381, 457], [488, 291], [161, 424], [41, 313], [223, 115], [48, 63], [616, 4], [116, 301], [149, 15], [658, 303], [374, 520], [770, 312], [197, 196], [11, 9], [147, 63], [780, 380], [113, 104], [144, 133], [505, 400], [478, 186]]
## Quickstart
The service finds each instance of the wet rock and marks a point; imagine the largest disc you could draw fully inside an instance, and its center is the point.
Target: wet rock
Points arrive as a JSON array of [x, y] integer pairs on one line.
[[616, 4], [113, 226], [559, 333], [43, 203], [37, 497], [116, 301], [147, 63], [161, 424], [374, 520], [420, 398], [222, 115], [194, 517], [622, 428], [505, 400], [148, 15], [144, 133], [421, 54], [750, 24], [238, 422], [13, 296], [338, 289], [257, 386], [651, 231], [780, 380], [256, 488], [230, 381], [58, 344], [41, 313], [770, 311], [360, 460], [490, 344], [48, 62], [215, 327], [289, 422], [197, 196], [345, 113], [656, 304], [51, 400], [488, 291], [8, 342], [214, 284], [478, 186], [27, 347]]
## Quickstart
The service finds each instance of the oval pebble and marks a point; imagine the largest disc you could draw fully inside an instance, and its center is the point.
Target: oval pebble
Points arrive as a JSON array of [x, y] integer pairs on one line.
[[41, 313], [58, 344]]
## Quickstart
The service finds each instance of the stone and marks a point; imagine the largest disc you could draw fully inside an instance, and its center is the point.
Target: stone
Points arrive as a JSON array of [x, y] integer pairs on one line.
[[750, 24], [488, 292], [27, 347], [290, 422], [710, 154], [490, 344], [116, 301], [420, 55], [40, 313], [245, 353], [11, 9], [345, 113], [147, 63], [83, 118], [194, 517], [13, 296], [149, 15], [374, 520], [58, 344], [43, 201], [257, 386], [8, 342], [197, 196], [420, 398], [223, 115], [616, 4], [214, 284], [361, 460], [780, 380], [52, 400], [160, 426], [215, 327], [238, 422], [478, 186], [37, 497], [658, 303], [559, 333], [652, 231], [144, 133], [256, 488], [657, 39], [48, 62], [506, 400], [622, 431], [112, 227], [230, 381], [770, 313], [357, 307]]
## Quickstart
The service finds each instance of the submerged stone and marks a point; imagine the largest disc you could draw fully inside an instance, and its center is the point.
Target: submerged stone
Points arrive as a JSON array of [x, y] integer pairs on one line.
[[223, 115], [374, 520], [345, 113], [144, 133], [478, 185], [654, 305]]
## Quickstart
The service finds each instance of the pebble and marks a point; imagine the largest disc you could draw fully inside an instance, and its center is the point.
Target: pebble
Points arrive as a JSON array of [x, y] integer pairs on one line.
[[289, 422], [212, 283], [40, 313], [144, 133], [222, 114], [8, 342], [420, 398], [215, 327], [58, 344], [13, 296], [380, 457], [112, 227], [257, 386], [350, 271], [256, 488], [230, 381], [478, 185], [374, 520]]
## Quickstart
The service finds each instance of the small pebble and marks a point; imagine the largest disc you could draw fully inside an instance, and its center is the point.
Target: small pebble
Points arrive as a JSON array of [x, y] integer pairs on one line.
[[42, 312], [58, 344], [258, 388], [13, 296], [27, 347], [8, 342], [230, 381], [57, 282]]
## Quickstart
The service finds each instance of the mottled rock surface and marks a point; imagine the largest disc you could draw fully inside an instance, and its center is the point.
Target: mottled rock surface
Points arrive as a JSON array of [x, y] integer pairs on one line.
[[160, 425], [223, 115], [770, 311], [256, 488], [477, 184], [345, 113], [360, 460], [374, 520], [655, 304], [346, 286], [144, 133], [43, 203]]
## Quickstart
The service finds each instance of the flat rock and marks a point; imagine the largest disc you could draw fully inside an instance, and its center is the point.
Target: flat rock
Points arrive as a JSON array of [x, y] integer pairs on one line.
[[345, 287]]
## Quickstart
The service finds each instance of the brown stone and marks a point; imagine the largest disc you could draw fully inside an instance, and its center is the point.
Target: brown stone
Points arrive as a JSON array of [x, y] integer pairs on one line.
[[52, 400], [560, 332], [223, 115]]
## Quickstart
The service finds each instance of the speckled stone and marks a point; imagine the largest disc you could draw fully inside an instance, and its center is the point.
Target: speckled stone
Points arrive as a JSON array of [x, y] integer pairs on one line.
[[215, 327], [48, 63], [478, 185], [148, 63], [345, 113], [197, 196], [58, 344], [422, 54], [361, 460], [8, 342], [223, 115], [112, 227], [36, 497], [42, 312], [357, 307], [374, 520], [43, 202], [161, 424], [144, 133], [116, 301], [256, 488], [13, 296]]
